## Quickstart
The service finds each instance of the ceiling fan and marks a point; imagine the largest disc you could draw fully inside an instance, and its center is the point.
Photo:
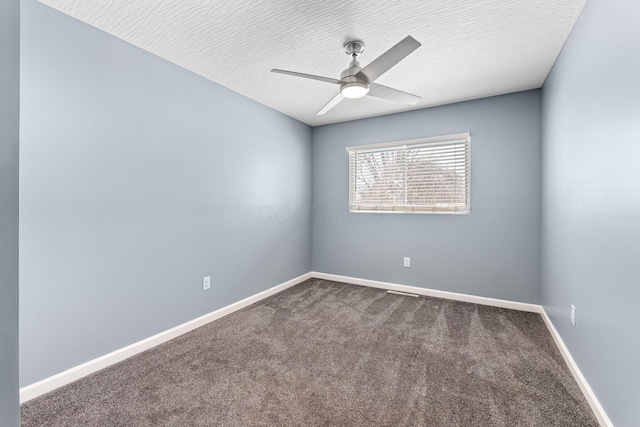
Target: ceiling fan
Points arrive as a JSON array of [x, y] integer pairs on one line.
[[356, 82]]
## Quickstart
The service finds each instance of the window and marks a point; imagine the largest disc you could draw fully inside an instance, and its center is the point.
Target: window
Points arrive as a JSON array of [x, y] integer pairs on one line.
[[428, 175]]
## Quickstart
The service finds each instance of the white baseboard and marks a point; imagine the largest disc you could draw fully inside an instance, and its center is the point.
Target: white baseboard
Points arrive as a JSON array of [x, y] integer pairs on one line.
[[596, 407], [520, 306], [51, 383]]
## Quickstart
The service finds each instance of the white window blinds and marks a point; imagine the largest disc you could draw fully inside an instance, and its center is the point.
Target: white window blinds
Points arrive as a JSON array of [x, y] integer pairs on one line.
[[429, 175]]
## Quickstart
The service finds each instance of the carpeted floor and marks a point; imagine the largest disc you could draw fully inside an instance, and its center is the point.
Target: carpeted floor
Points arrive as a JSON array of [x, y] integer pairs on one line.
[[330, 354]]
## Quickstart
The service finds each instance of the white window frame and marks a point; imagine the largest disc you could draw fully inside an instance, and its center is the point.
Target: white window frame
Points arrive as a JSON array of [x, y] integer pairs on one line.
[[404, 145]]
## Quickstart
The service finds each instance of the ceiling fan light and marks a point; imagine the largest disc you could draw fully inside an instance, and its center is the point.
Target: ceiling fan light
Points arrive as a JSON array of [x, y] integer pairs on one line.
[[354, 90]]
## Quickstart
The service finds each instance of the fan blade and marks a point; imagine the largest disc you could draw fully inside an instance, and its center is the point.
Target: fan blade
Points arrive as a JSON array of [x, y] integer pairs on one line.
[[384, 92], [334, 101], [307, 76], [387, 60]]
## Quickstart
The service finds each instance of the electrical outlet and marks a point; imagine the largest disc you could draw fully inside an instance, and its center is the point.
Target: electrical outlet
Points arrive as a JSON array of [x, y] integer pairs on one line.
[[407, 261], [206, 283], [573, 315]]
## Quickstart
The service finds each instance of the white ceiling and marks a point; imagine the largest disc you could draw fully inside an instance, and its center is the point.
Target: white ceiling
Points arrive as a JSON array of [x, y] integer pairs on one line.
[[470, 49]]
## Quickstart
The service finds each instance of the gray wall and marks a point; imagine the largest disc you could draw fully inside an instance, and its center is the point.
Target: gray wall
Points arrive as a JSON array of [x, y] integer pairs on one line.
[[493, 252], [591, 206], [138, 178], [9, 107]]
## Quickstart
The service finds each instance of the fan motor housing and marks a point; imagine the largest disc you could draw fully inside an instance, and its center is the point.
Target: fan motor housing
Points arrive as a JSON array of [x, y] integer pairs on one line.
[[348, 75]]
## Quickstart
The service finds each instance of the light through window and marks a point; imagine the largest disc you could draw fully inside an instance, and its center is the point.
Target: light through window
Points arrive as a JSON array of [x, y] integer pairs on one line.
[[428, 175]]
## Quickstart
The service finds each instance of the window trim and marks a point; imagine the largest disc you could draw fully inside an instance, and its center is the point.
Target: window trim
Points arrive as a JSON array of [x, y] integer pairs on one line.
[[465, 136]]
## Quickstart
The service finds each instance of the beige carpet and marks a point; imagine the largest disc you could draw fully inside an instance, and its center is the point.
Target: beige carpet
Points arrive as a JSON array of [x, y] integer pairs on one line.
[[329, 354]]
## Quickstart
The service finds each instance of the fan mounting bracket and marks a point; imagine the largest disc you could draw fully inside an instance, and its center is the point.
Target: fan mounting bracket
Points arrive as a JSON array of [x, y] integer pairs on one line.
[[354, 47]]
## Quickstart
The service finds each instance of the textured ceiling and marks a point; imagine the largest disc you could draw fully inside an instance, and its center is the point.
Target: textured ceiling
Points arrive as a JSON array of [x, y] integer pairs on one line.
[[470, 49]]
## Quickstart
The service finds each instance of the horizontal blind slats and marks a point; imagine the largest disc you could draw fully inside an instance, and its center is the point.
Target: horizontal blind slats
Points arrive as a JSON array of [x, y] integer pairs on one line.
[[425, 177]]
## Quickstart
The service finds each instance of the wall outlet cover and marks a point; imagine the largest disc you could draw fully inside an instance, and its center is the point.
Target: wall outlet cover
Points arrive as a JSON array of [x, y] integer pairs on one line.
[[573, 315], [206, 283], [407, 261]]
